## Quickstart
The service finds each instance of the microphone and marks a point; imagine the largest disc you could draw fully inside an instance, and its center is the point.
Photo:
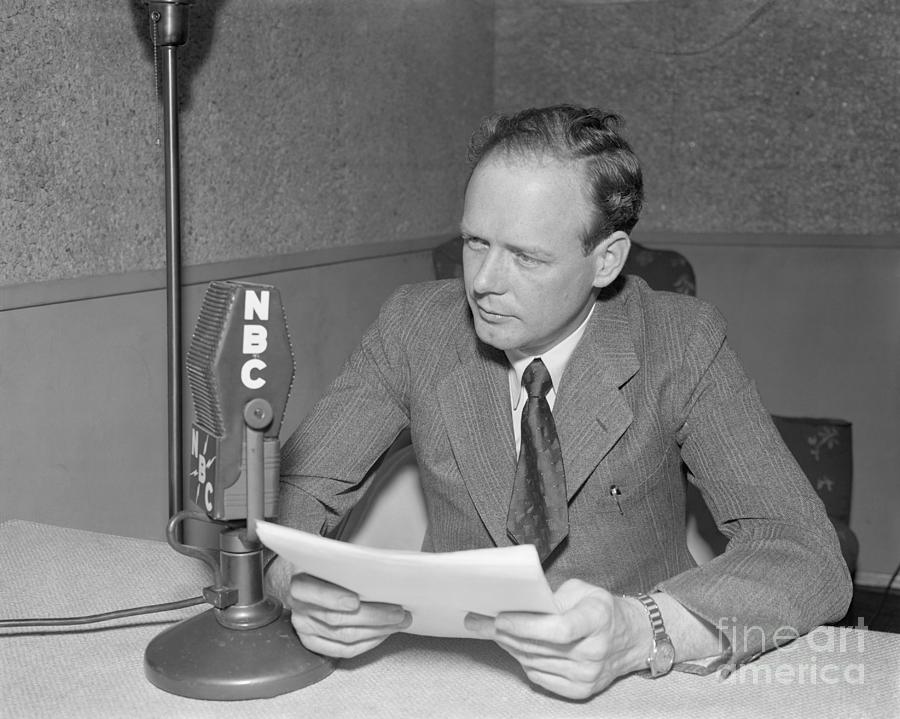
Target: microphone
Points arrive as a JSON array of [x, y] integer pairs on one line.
[[240, 352], [240, 366]]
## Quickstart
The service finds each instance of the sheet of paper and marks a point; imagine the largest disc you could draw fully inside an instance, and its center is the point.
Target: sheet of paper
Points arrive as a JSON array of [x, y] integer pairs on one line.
[[438, 589]]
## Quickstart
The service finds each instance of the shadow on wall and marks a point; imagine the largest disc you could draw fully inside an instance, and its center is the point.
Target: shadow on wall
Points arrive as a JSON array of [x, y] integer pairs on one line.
[[201, 28]]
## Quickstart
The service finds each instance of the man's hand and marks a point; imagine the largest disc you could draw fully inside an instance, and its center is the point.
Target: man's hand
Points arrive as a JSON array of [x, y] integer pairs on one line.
[[332, 621], [595, 638]]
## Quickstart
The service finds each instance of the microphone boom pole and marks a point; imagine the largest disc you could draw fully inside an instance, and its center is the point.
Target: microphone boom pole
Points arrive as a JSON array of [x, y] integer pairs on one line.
[[170, 21]]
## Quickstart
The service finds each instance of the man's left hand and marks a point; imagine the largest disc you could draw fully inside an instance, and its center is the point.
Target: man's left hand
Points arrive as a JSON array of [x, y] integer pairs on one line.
[[595, 638]]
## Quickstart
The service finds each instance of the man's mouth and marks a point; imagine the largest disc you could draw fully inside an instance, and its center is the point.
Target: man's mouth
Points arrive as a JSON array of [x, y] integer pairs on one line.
[[489, 315]]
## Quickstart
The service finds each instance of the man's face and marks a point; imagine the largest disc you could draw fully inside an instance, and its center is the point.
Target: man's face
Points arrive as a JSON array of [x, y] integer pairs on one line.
[[527, 279]]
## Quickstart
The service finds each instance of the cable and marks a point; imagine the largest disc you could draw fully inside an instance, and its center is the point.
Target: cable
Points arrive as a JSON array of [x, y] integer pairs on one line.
[[884, 596], [92, 618]]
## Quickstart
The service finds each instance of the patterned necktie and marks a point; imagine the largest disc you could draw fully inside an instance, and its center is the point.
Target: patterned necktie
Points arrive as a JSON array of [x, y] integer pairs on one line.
[[538, 511]]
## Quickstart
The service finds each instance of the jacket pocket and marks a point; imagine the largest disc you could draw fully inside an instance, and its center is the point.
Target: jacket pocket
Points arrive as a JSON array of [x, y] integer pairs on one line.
[[625, 481]]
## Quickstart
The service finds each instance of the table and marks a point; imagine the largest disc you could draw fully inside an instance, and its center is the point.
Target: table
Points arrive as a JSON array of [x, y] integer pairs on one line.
[[97, 670]]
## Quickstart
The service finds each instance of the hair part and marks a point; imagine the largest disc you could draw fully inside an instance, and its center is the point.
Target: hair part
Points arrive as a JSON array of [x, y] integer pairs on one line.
[[570, 133]]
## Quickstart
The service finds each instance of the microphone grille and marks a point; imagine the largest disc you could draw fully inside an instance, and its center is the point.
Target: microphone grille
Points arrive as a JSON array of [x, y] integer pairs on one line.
[[202, 354]]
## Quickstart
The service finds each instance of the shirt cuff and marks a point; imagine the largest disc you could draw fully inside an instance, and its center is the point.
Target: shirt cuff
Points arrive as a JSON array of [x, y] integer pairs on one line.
[[702, 667]]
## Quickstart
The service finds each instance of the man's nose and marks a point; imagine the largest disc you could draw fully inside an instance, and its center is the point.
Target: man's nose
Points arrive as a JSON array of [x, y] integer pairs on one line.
[[490, 274]]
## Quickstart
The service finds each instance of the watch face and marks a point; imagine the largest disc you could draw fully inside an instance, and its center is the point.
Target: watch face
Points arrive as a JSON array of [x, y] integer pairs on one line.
[[664, 657]]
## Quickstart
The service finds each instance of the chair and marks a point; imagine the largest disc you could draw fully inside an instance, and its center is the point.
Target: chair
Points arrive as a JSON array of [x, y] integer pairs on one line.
[[824, 450], [391, 513]]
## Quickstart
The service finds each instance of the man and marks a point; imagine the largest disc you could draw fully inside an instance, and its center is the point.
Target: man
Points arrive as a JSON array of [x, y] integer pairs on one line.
[[587, 462]]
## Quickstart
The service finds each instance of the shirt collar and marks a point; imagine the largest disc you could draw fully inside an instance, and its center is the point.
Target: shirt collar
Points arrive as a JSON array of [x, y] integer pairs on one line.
[[555, 360]]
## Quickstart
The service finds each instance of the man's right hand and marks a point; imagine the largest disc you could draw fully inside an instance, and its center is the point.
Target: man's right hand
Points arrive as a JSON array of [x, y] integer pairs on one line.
[[332, 621]]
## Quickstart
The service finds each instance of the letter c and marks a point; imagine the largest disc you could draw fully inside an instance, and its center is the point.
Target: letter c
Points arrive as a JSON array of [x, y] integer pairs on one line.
[[207, 497], [252, 382]]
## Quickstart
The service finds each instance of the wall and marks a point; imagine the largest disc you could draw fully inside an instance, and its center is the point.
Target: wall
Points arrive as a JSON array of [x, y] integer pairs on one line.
[[322, 149], [84, 387], [305, 124], [751, 116], [767, 130]]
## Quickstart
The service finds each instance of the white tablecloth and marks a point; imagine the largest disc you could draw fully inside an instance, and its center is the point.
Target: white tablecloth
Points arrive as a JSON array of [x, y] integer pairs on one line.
[[97, 670]]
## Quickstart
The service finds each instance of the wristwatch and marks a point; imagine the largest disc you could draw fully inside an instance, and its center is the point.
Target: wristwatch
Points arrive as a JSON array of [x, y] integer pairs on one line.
[[662, 654]]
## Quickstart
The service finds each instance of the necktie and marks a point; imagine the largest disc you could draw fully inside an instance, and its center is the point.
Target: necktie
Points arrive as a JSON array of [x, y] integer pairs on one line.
[[538, 512]]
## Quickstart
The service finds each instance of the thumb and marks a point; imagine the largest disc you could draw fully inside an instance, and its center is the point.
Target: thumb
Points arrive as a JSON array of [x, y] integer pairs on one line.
[[574, 591]]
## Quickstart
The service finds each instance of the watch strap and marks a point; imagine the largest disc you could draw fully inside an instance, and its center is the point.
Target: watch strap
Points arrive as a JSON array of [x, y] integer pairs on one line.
[[662, 644], [656, 620]]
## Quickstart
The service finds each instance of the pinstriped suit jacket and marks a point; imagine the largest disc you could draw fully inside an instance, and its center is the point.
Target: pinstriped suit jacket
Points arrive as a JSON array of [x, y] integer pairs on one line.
[[652, 390]]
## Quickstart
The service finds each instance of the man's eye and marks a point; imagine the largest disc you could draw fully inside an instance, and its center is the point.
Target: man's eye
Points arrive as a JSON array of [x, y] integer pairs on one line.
[[528, 260], [474, 243]]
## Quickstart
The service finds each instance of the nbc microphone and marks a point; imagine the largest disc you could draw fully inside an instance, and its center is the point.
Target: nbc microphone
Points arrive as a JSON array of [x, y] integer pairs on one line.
[[240, 352], [240, 367]]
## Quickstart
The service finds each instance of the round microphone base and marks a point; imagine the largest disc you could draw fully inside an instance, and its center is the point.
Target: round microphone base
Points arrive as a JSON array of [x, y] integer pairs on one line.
[[201, 659]]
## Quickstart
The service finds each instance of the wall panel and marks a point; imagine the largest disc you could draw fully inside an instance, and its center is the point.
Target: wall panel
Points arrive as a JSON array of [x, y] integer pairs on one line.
[[83, 398]]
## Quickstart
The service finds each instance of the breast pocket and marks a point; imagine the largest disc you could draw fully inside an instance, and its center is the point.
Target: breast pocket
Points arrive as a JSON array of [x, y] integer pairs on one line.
[[631, 473]]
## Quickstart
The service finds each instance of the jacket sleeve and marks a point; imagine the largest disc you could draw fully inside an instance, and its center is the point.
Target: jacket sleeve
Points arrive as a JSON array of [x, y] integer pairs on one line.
[[325, 461], [782, 572]]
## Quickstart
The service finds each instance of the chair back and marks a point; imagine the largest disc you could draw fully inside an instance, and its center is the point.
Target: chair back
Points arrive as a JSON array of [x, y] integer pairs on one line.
[[665, 270], [824, 450]]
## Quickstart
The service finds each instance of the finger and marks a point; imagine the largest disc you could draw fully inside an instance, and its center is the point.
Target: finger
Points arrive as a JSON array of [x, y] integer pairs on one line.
[[539, 668], [310, 628], [558, 629], [312, 590], [562, 686], [526, 647], [340, 650], [573, 591], [521, 650], [563, 667], [368, 614], [479, 624]]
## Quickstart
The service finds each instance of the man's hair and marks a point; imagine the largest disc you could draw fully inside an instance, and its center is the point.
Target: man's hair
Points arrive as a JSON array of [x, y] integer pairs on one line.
[[567, 133]]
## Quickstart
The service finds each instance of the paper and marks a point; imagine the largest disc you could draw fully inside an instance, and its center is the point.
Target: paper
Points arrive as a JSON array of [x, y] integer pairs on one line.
[[438, 589]]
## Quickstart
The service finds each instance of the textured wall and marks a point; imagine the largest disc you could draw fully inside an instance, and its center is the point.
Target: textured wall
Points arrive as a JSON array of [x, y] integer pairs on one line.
[[305, 124], [749, 115]]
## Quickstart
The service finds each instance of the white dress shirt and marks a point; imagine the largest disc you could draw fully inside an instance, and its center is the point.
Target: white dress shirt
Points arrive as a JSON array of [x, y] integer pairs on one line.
[[555, 360]]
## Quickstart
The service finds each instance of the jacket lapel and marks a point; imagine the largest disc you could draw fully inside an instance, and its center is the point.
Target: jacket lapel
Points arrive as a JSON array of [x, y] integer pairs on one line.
[[590, 411], [474, 399]]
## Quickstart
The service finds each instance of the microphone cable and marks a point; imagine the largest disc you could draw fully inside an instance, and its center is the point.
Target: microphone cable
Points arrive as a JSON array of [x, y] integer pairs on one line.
[[104, 617], [118, 614]]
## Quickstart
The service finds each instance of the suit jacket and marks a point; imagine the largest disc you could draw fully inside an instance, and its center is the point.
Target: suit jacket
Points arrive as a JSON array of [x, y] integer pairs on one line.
[[652, 391]]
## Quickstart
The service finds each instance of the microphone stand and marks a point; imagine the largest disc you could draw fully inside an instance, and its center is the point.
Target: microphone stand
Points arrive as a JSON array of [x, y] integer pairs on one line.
[[245, 646], [170, 22]]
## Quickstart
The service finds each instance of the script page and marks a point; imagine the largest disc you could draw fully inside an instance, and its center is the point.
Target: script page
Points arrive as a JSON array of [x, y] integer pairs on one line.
[[438, 589]]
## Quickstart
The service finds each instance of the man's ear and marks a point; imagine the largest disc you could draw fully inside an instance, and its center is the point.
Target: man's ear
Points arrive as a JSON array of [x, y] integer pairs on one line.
[[609, 257]]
